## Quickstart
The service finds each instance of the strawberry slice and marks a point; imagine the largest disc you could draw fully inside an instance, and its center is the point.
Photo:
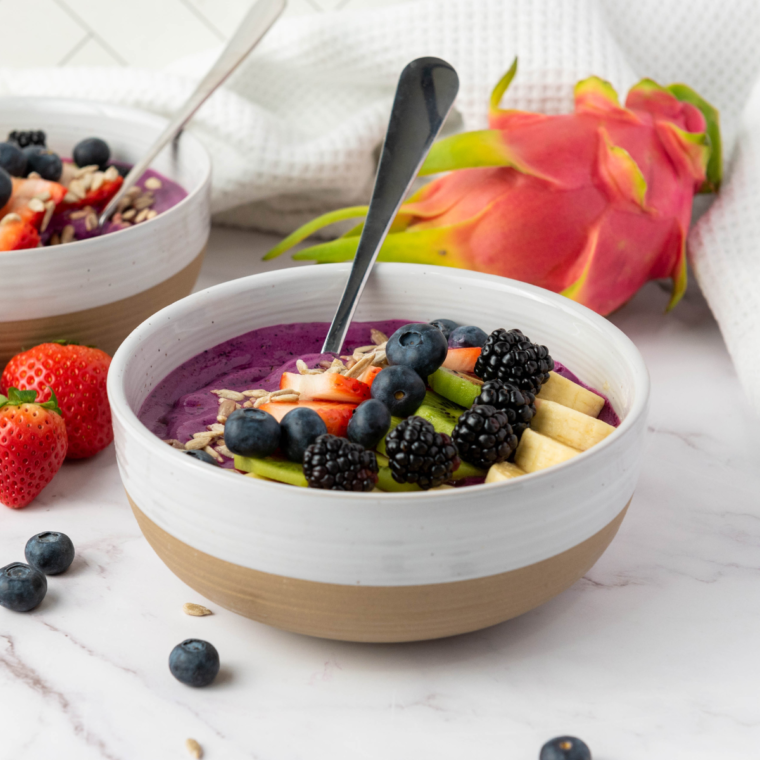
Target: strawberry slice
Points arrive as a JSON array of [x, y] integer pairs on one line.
[[335, 415], [369, 375], [16, 234], [462, 359], [25, 191], [329, 386]]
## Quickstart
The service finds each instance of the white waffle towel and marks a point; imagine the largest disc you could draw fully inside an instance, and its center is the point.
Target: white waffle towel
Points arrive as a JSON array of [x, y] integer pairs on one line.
[[297, 129]]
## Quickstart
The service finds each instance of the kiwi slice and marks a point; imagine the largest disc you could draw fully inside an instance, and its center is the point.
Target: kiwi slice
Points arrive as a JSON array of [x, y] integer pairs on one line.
[[281, 470], [459, 387]]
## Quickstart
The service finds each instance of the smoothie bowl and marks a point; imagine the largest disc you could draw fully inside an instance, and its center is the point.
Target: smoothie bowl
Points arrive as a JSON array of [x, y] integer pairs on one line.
[[74, 283], [400, 565]]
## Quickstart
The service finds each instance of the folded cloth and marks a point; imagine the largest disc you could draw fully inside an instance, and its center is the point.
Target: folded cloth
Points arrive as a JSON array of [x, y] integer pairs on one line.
[[296, 131]]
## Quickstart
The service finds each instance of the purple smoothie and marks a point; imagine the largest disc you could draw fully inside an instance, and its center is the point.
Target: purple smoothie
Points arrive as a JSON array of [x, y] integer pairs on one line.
[[182, 403], [167, 196]]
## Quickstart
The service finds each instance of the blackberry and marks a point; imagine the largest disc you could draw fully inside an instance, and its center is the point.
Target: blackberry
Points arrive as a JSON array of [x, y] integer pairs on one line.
[[26, 138], [511, 357], [484, 436], [519, 406], [337, 464], [417, 454]]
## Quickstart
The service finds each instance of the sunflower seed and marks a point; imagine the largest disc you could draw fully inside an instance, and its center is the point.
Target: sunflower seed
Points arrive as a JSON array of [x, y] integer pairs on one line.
[[195, 610], [224, 451], [124, 203], [194, 749], [216, 427], [212, 453], [90, 222], [81, 214], [133, 192], [144, 201], [43, 196], [111, 173], [256, 393], [261, 401], [86, 181], [284, 392], [152, 214], [153, 183], [174, 443], [49, 209], [325, 364], [97, 181], [142, 216], [226, 408], [199, 441], [8, 218], [364, 350], [34, 175], [36, 205], [359, 367], [302, 367], [84, 170], [379, 359], [68, 234], [76, 188], [55, 239], [337, 367], [286, 398], [234, 395], [378, 337]]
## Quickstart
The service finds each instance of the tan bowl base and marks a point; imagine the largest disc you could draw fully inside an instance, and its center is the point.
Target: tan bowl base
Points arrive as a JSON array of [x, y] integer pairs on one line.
[[375, 613], [104, 326]]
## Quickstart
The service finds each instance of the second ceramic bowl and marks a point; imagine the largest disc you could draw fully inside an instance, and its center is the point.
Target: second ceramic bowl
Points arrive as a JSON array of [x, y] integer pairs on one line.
[[377, 566], [97, 291]]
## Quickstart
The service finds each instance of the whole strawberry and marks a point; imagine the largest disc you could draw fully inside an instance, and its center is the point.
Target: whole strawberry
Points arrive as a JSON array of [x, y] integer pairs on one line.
[[33, 445], [77, 374]]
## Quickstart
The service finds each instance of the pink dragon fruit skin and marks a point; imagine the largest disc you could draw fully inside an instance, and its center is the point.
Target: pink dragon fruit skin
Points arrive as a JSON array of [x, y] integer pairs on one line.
[[591, 204]]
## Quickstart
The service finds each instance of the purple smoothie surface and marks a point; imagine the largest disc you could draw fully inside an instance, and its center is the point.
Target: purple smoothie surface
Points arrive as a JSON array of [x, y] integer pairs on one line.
[[182, 403]]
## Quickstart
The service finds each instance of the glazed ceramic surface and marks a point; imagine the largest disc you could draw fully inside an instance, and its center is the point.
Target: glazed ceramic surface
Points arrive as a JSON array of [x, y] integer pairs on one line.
[[160, 257], [379, 539]]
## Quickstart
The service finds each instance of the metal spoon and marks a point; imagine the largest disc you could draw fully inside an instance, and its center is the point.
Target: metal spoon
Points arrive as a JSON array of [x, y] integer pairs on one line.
[[426, 91], [252, 28]]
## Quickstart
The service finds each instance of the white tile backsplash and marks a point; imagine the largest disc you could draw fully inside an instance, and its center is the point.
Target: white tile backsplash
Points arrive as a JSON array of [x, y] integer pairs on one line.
[[145, 33]]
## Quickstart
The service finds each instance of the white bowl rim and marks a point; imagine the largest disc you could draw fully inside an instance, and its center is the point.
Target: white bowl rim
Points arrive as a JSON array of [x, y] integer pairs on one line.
[[120, 405], [19, 257]]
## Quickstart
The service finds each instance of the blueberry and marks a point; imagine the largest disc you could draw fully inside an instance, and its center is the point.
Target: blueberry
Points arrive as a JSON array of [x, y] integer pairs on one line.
[[12, 159], [51, 553], [370, 422], [421, 347], [202, 456], [22, 587], [92, 151], [6, 187], [43, 161], [252, 433], [445, 326], [194, 662], [400, 388], [300, 428], [467, 337], [565, 748]]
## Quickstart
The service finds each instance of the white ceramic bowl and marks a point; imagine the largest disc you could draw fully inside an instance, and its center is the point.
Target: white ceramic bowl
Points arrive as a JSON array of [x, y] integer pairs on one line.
[[97, 291], [379, 567]]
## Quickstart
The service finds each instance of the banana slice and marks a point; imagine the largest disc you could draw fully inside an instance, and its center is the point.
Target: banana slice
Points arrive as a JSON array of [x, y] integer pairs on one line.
[[563, 391], [569, 426], [503, 471], [537, 452]]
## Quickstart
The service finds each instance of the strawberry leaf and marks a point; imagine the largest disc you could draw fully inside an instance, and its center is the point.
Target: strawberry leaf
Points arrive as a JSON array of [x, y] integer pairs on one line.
[[17, 397]]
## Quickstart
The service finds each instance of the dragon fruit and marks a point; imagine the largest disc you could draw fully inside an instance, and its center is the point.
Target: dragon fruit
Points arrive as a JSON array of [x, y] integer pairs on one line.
[[591, 204]]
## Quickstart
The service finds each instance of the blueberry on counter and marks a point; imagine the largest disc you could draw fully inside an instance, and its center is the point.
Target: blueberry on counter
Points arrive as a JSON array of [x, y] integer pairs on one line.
[[369, 423], [419, 346], [400, 388], [6, 187], [467, 336], [50, 552], [194, 662], [92, 151], [252, 433], [22, 588], [201, 456], [12, 159], [565, 748], [445, 326], [299, 429], [43, 161]]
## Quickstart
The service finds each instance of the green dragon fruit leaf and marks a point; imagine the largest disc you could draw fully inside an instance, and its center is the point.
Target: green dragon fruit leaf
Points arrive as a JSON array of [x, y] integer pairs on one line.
[[685, 94], [501, 87]]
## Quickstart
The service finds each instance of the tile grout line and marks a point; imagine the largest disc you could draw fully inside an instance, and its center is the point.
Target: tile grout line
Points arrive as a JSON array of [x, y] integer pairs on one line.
[[94, 35], [203, 19]]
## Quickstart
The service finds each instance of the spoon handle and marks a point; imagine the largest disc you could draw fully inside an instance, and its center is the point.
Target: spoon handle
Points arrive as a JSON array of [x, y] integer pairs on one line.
[[252, 28], [424, 96]]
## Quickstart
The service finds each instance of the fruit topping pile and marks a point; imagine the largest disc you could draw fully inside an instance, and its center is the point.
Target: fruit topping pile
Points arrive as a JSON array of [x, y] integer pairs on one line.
[[47, 200], [434, 405]]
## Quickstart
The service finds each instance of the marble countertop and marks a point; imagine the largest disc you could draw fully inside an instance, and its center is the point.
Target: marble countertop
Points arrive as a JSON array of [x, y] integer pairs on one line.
[[653, 655]]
